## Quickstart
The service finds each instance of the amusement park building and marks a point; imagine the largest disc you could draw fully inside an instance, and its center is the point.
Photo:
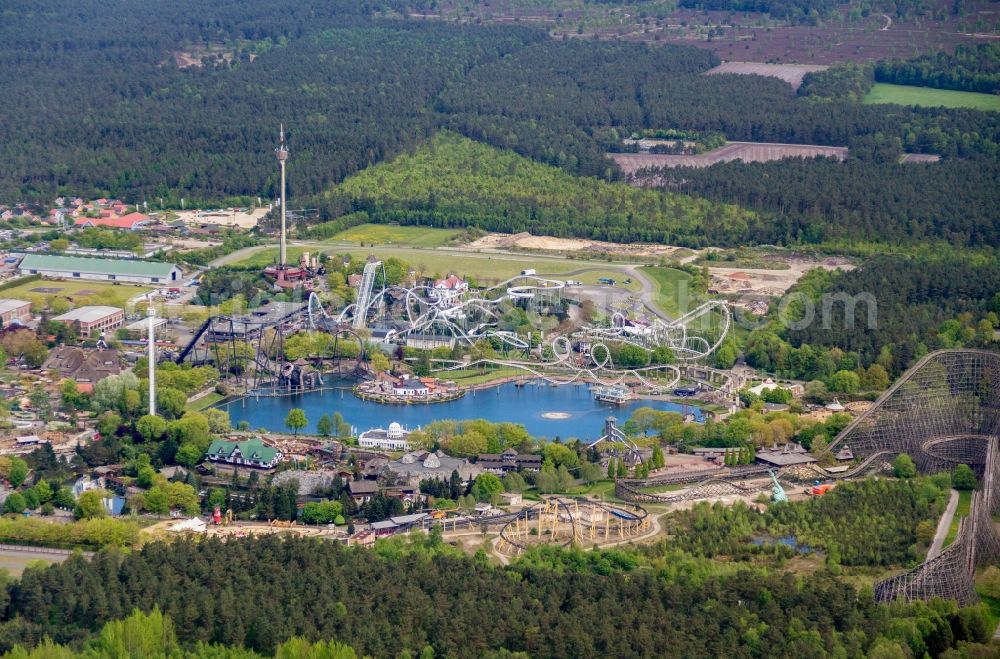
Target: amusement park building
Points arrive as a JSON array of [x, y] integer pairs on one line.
[[249, 453], [96, 319], [430, 341], [120, 270], [15, 311], [449, 288], [363, 490], [509, 460], [789, 454], [393, 439], [419, 465]]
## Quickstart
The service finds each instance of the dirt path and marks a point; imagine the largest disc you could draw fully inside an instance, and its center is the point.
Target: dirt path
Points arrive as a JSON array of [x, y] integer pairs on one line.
[[943, 526], [888, 23]]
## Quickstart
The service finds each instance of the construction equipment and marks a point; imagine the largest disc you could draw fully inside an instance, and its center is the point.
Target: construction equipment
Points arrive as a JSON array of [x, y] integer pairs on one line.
[[819, 489]]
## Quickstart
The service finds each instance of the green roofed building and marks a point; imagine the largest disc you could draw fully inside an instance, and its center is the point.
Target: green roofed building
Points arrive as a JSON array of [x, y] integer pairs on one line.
[[248, 453], [119, 270]]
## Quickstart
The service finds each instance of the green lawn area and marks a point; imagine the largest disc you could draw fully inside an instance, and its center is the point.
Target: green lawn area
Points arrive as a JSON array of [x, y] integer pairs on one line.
[[663, 489], [993, 607], [928, 97], [267, 256], [670, 284], [964, 503], [488, 269], [393, 234], [79, 293], [204, 402], [473, 376], [603, 490]]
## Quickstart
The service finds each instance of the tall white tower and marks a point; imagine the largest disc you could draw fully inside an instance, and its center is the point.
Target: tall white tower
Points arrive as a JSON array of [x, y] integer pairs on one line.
[[282, 153], [151, 341]]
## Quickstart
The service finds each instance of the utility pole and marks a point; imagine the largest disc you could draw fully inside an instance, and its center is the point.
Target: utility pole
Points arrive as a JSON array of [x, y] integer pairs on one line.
[[151, 340]]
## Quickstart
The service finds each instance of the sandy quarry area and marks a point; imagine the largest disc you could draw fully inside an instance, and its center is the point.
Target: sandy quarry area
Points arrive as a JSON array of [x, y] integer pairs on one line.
[[771, 282], [224, 217], [547, 243]]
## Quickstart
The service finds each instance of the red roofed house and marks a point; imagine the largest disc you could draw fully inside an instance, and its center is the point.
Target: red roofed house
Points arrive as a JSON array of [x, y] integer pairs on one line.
[[130, 221], [450, 287]]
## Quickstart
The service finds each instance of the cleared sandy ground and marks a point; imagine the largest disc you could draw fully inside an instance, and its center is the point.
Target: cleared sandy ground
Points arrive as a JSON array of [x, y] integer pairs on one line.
[[745, 151], [770, 282], [547, 243], [227, 217], [790, 73]]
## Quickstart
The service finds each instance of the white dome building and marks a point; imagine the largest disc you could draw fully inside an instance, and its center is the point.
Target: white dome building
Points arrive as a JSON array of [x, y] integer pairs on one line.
[[393, 439]]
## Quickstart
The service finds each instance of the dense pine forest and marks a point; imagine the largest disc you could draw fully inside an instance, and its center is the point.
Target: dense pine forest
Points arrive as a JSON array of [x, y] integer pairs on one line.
[[889, 312], [452, 181], [154, 129], [821, 200], [425, 598], [865, 523], [969, 68]]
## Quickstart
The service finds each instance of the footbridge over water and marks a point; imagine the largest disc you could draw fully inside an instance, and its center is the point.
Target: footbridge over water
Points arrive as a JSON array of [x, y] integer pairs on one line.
[[944, 411]]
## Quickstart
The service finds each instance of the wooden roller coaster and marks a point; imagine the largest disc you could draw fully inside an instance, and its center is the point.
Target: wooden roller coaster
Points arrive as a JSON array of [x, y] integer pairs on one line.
[[565, 521]]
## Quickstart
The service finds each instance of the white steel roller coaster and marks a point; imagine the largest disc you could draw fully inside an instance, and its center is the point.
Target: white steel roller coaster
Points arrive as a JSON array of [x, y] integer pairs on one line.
[[473, 316]]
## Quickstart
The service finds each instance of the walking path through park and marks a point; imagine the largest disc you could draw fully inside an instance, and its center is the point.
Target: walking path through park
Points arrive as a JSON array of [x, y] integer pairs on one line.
[[943, 526]]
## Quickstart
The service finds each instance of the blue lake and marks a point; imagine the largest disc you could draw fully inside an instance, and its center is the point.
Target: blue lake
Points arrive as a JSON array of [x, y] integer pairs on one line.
[[571, 409]]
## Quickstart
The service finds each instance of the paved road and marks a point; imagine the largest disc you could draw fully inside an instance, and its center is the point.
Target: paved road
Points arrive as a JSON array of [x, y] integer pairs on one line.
[[943, 526]]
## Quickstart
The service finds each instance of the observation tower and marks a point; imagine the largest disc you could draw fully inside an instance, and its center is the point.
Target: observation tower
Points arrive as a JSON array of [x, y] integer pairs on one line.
[[284, 275]]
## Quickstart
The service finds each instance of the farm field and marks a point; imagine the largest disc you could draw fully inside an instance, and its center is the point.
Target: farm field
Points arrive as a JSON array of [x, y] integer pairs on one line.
[[928, 97], [77, 293], [394, 234], [745, 151]]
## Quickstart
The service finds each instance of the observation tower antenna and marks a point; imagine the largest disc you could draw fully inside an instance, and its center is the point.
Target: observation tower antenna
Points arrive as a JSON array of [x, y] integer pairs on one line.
[[282, 153], [151, 343]]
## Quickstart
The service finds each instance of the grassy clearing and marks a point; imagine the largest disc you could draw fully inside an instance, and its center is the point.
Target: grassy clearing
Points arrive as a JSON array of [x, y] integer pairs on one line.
[[392, 234], [672, 288], [485, 269], [15, 562], [928, 97], [473, 376], [662, 489], [204, 402], [603, 490], [964, 503], [94, 292], [267, 256], [993, 606]]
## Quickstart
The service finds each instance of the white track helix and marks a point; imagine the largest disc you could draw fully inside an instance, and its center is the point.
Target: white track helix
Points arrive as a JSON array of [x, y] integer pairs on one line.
[[473, 316], [673, 334]]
